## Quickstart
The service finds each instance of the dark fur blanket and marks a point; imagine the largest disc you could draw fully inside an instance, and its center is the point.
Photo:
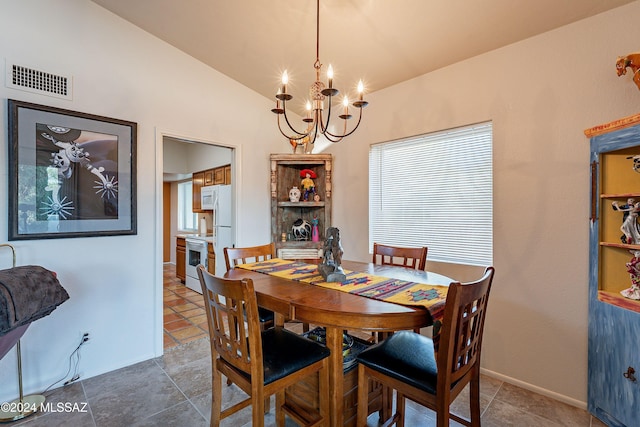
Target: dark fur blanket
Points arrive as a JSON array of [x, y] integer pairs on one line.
[[27, 293]]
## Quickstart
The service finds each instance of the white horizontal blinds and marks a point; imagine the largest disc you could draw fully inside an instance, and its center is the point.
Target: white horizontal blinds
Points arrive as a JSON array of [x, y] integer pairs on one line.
[[435, 190]]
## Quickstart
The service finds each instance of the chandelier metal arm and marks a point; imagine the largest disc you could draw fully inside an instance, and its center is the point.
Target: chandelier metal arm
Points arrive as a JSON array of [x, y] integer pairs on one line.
[[344, 135], [290, 137], [286, 118]]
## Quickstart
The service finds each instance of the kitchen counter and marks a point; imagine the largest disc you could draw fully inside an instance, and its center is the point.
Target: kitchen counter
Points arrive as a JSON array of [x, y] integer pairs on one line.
[[199, 236]]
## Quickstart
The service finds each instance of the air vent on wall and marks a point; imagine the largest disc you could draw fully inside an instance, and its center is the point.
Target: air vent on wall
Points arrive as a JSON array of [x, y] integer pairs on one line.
[[36, 81]]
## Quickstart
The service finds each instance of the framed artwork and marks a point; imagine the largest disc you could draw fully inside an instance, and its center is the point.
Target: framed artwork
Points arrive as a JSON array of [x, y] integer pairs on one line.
[[71, 174]]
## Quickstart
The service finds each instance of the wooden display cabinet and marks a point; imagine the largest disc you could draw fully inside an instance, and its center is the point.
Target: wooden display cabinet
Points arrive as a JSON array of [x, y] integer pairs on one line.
[[614, 320], [285, 174]]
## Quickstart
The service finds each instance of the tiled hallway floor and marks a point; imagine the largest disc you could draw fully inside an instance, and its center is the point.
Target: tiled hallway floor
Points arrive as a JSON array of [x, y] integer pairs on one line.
[[175, 390], [184, 317]]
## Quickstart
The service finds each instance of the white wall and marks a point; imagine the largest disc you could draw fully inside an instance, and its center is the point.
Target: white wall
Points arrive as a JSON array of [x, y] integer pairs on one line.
[[122, 72], [541, 94], [185, 157]]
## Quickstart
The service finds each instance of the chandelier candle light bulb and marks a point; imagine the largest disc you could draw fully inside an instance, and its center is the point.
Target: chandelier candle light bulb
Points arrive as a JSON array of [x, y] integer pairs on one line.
[[345, 103]]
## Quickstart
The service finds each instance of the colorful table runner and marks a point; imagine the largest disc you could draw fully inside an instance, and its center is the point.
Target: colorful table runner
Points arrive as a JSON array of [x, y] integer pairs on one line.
[[381, 288]]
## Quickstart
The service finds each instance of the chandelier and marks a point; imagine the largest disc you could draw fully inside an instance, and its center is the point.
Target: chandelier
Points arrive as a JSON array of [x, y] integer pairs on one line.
[[318, 92]]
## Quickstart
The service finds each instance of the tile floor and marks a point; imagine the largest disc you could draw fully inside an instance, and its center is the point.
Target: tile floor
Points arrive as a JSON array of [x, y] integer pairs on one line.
[[175, 390], [184, 317]]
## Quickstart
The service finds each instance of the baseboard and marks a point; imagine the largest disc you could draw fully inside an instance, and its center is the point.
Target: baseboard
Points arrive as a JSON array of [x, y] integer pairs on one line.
[[552, 394]]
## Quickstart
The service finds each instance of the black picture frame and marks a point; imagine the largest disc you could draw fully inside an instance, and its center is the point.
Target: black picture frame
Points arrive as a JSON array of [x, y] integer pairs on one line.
[[71, 174]]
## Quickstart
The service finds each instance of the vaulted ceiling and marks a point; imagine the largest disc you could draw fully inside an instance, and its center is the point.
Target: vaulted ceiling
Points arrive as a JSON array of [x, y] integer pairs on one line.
[[384, 42]]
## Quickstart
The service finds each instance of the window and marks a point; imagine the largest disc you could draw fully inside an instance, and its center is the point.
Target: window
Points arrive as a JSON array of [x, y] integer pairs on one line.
[[435, 190], [187, 220]]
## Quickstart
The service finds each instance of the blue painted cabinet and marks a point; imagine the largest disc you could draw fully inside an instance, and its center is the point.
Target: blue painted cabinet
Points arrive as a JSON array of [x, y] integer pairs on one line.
[[614, 249]]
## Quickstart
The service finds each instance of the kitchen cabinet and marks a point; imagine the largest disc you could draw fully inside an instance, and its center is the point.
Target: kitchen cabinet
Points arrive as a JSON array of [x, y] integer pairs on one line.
[[614, 320], [227, 174], [181, 257], [218, 176], [214, 176], [209, 178], [211, 259], [285, 174], [197, 181]]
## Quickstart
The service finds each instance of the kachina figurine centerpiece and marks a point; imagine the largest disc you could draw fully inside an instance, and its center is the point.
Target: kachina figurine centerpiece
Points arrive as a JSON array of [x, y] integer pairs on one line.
[[330, 268]]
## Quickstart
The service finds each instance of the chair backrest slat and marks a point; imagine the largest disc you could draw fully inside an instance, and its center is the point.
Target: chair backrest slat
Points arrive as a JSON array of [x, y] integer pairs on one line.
[[399, 256], [236, 256]]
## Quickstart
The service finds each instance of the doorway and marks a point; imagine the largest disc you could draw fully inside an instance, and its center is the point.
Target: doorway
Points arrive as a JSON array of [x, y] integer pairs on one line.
[[180, 316]]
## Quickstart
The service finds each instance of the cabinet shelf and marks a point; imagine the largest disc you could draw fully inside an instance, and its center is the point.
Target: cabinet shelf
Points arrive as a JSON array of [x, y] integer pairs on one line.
[[619, 195], [301, 204], [621, 245], [615, 298]]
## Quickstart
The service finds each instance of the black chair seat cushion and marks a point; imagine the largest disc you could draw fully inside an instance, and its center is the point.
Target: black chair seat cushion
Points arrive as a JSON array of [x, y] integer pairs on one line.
[[265, 315], [285, 352], [406, 356]]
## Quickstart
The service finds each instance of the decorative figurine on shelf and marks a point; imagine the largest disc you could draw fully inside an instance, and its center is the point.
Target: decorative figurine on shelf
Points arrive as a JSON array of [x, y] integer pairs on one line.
[[331, 268], [636, 162], [315, 234], [632, 61], [633, 267], [301, 229], [294, 194], [308, 186], [625, 209], [303, 142], [630, 228]]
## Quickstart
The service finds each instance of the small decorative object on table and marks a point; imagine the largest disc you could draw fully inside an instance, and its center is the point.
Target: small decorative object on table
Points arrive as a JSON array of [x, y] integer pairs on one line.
[[331, 268], [632, 61], [308, 186], [294, 194]]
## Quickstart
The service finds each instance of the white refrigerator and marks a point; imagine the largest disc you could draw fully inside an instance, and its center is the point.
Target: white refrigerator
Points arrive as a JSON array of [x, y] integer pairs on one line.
[[222, 235]]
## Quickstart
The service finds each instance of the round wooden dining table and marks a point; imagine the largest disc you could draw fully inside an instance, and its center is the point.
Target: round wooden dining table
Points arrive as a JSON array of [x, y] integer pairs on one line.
[[339, 311]]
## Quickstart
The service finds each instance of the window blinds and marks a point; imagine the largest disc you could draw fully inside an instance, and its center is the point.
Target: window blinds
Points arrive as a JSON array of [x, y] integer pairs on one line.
[[435, 190]]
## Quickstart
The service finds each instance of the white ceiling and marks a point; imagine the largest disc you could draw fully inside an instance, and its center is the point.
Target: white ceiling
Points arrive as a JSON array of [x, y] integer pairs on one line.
[[384, 42]]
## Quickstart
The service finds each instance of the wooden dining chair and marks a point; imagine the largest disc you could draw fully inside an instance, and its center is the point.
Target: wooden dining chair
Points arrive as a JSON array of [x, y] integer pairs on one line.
[[399, 256], [236, 256], [402, 257], [430, 375], [261, 363]]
